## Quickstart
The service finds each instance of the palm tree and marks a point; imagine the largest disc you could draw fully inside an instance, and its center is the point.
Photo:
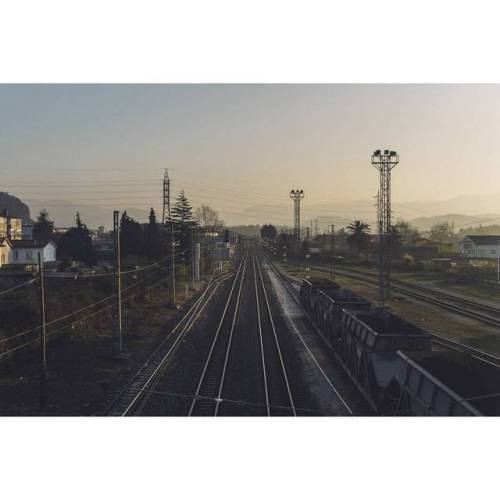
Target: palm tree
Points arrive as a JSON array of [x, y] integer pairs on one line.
[[358, 235]]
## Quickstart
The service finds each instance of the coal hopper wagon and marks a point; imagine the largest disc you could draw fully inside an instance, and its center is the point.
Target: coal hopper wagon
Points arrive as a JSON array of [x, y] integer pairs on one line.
[[392, 361]]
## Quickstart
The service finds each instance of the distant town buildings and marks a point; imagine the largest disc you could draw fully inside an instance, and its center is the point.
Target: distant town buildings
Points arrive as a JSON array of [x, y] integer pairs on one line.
[[17, 246], [10, 227]]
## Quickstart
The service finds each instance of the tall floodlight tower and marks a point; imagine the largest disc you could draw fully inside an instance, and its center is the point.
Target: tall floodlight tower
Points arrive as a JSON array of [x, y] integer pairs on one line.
[[384, 161], [296, 195]]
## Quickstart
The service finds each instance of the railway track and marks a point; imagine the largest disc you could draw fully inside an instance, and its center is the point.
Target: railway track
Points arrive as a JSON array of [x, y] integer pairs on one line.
[[271, 394], [424, 294], [134, 395], [242, 369], [474, 309], [207, 397], [278, 394], [292, 291]]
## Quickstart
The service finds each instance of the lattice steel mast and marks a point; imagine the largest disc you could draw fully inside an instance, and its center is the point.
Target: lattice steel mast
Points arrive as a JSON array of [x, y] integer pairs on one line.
[[296, 195], [165, 219], [166, 198], [384, 161]]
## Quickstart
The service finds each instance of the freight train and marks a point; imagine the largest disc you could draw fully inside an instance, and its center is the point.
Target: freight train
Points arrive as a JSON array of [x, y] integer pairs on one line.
[[395, 363]]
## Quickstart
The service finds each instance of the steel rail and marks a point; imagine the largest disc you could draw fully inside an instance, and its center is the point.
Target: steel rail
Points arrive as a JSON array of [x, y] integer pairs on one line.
[[289, 288], [401, 286], [263, 358], [195, 313], [185, 320], [150, 359], [212, 347], [276, 340], [228, 347]]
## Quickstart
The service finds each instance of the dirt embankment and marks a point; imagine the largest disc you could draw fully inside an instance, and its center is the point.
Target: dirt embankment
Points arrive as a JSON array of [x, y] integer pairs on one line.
[[83, 369]]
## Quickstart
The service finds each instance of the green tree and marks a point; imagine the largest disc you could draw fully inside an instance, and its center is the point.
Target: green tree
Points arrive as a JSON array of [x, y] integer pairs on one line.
[[443, 231], [358, 235], [131, 236], [395, 242], [182, 216], [77, 243], [268, 231], [406, 231], [43, 229]]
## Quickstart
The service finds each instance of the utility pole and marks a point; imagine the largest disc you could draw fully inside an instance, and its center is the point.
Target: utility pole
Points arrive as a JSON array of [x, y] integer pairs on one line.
[[296, 195], [384, 161], [43, 332], [195, 256], [167, 218], [332, 244], [117, 281], [43, 335], [498, 263]]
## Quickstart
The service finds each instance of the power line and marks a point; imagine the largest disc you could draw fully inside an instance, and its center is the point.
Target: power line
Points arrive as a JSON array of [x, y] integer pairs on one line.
[[68, 325], [65, 316], [9, 290]]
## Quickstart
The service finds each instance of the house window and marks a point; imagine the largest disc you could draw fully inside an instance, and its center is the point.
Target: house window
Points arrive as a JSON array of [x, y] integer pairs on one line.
[[16, 255], [29, 255]]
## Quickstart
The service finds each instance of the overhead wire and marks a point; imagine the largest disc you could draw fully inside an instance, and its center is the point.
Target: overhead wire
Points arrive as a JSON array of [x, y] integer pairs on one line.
[[9, 290], [68, 325], [72, 313]]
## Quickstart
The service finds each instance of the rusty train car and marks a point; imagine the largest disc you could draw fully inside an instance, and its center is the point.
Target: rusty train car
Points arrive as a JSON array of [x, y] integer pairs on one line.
[[392, 361]]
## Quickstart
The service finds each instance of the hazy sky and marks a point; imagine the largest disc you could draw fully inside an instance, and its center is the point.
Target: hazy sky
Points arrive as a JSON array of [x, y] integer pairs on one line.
[[234, 146]]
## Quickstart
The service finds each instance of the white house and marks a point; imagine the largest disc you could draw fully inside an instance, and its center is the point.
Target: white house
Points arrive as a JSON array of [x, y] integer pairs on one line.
[[5, 252], [26, 251], [481, 247]]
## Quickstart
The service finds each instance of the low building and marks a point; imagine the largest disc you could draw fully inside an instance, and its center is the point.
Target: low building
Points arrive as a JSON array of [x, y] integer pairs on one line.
[[5, 252], [481, 247], [25, 252], [10, 227], [421, 249]]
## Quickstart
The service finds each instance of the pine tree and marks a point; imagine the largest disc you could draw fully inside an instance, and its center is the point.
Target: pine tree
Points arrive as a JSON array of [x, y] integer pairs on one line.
[[77, 243], [182, 211], [182, 216], [43, 228], [131, 236]]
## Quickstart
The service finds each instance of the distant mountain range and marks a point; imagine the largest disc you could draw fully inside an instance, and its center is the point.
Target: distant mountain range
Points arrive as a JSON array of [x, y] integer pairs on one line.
[[462, 211], [478, 210], [63, 213], [458, 220]]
